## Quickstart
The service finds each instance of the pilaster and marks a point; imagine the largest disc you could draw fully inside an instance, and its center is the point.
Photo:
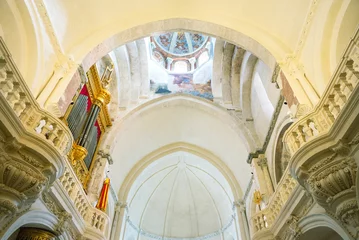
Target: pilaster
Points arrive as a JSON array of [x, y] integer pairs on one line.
[[261, 174], [242, 219], [118, 220]]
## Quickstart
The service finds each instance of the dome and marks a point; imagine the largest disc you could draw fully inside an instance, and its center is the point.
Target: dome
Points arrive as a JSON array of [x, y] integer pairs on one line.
[[180, 196], [180, 43]]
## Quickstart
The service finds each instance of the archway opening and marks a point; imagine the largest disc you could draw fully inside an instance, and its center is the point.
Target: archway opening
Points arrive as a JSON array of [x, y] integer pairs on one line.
[[180, 196], [320, 233]]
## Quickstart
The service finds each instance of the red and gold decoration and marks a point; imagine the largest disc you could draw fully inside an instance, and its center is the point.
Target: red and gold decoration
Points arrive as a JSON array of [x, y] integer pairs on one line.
[[103, 198], [88, 118]]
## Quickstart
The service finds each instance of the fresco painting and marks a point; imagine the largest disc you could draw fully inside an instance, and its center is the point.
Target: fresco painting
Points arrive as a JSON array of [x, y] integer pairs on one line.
[[180, 43], [197, 40], [183, 83], [165, 40]]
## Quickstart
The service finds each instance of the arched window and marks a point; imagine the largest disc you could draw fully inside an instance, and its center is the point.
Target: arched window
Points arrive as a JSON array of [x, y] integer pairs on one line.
[[180, 67]]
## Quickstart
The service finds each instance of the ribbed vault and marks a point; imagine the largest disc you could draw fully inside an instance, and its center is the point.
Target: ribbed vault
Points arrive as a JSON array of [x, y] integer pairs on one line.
[[180, 195]]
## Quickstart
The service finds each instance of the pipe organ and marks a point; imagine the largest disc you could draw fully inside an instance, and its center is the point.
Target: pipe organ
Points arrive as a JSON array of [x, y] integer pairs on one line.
[[88, 119]]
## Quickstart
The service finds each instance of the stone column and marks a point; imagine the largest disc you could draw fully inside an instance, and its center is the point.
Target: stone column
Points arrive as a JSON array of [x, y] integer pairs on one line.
[[192, 62], [242, 219], [118, 220], [169, 62], [35, 234], [261, 174]]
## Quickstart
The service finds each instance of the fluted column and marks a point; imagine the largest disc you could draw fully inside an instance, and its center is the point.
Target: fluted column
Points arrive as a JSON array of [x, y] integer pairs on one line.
[[118, 220], [242, 219], [261, 174]]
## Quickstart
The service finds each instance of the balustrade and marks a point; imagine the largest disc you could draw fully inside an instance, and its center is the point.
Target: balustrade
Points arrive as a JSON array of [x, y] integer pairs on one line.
[[93, 217], [342, 86], [19, 98], [263, 220]]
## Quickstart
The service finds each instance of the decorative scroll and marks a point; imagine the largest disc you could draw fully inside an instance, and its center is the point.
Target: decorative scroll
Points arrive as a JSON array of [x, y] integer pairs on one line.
[[78, 115]]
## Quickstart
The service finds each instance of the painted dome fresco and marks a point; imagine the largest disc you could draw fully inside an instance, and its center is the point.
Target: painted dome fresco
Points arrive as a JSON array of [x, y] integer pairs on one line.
[[180, 43]]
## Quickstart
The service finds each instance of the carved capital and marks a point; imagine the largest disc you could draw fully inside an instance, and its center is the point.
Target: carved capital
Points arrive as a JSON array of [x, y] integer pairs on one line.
[[262, 161], [120, 205], [241, 205]]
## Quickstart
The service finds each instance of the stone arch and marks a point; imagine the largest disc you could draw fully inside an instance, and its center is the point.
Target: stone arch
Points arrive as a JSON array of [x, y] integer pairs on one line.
[[22, 34], [196, 102], [124, 73], [246, 75], [322, 220], [176, 147], [35, 218], [217, 70], [173, 24]]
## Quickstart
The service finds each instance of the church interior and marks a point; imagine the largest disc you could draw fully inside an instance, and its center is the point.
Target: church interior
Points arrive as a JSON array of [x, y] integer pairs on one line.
[[191, 120]]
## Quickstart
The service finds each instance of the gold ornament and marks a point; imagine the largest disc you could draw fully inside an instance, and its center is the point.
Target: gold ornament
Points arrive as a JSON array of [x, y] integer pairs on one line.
[[257, 197], [103, 98], [78, 153]]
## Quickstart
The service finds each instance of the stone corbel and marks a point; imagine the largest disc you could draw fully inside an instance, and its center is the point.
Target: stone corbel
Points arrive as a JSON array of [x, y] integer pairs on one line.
[[23, 176]]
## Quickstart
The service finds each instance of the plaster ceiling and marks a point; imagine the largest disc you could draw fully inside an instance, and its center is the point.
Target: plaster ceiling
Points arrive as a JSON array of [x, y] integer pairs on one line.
[[181, 195]]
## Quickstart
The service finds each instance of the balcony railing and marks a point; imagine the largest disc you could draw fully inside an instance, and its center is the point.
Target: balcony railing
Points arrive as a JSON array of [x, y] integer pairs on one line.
[[343, 85], [19, 97], [35, 120], [263, 220], [339, 91], [94, 218]]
